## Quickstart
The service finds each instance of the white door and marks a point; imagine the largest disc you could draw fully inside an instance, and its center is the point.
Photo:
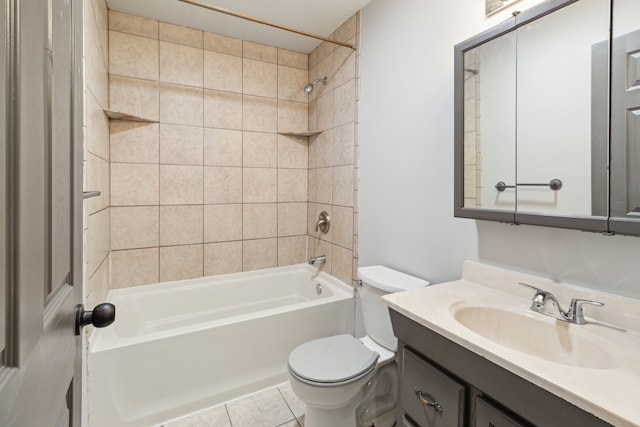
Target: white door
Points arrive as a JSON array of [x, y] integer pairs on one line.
[[41, 211]]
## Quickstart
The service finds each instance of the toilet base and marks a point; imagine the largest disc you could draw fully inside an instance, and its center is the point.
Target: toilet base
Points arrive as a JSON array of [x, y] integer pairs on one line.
[[337, 417]]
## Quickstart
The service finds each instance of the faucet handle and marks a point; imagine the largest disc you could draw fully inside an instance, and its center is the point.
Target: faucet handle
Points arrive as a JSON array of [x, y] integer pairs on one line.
[[526, 285], [539, 299], [575, 313]]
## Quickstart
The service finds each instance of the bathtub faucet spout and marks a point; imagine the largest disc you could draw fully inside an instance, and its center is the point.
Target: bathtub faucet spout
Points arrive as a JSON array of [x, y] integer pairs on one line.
[[322, 259]]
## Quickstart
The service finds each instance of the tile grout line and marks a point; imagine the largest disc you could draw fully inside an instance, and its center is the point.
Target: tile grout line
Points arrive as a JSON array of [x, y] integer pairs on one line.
[[288, 406]]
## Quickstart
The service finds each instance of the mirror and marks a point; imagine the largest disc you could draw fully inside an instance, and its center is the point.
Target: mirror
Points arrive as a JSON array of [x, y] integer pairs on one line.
[[625, 118], [532, 116]]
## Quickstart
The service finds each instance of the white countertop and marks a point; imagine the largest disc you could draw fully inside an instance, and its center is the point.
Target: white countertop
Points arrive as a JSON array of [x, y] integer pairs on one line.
[[612, 393]]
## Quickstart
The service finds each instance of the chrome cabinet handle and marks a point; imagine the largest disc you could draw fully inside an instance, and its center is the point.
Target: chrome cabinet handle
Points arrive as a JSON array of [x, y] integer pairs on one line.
[[424, 398]]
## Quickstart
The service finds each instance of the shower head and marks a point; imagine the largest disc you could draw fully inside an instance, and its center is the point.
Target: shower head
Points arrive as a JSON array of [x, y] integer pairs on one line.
[[309, 88]]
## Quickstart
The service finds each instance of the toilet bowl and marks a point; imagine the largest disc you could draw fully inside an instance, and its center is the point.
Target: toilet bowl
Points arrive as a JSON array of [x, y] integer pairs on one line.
[[351, 382]]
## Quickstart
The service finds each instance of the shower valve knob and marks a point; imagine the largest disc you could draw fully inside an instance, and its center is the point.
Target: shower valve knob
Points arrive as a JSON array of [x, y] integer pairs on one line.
[[102, 315]]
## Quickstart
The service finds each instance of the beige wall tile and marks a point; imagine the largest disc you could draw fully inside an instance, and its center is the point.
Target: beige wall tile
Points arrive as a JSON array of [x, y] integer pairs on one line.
[[259, 185], [96, 71], [134, 227], [222, 72], [343, 145], [182, 105], [343, 186], [259, 114], [292, 250], [182, 65], [313, 123], [470, 181], [97, 179], [345, 64], [259, 78], [290, 58], [181, 145], [222, 223], [292, 116], [325, 49], [181, 185], [292, 185], [133, 56], [98, 240], [222, 147], [325, 68], [222, 109], [324, 112], [469, 148], [99, 283], [181, 262], [342, 265], [222, 44], [344, 103], [293, 152], [134, 267], [313, 58], [321, 149], [259, 220], [260, 52], [342, 224], [131, 24], [134, 142], [181, 35], [292, 219], [222, 185], [134, 184], [222, 258], [259, 254], [134, 96], [291, 83], [181, 225], [313, 185], [324, 186], [259, 149], [97, 138], [347, 30]]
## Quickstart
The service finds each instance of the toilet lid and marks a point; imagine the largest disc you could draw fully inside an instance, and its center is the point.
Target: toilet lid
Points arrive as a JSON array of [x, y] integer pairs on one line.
[[331, 360]]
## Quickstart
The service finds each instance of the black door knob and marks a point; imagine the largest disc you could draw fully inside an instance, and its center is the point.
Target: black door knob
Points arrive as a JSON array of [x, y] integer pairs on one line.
[[102, 315]]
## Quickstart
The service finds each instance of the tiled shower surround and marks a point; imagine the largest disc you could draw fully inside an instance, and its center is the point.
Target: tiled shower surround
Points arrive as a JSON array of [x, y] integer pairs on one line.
[[213, 188]]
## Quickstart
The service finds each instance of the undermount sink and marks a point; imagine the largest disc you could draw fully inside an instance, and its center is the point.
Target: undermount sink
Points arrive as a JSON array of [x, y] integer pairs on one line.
[[535, 335]]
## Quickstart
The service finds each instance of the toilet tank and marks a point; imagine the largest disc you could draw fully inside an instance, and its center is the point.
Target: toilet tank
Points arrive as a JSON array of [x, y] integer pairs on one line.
[[378, 280]]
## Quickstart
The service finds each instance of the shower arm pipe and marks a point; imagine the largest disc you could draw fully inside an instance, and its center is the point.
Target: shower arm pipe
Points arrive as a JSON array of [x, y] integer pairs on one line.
[[270, 24]]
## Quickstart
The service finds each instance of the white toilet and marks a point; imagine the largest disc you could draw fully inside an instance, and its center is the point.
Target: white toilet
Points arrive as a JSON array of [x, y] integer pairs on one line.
[[349, 382]]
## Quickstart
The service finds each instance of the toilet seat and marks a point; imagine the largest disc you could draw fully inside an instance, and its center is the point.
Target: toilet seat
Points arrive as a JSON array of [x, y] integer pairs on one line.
[[332, 361]]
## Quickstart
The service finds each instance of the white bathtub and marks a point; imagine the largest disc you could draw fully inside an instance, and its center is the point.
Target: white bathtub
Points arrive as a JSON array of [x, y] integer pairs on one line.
[[182, 346]]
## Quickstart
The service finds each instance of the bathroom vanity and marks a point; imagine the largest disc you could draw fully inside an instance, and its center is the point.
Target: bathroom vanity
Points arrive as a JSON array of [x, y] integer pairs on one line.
[[472, 353]]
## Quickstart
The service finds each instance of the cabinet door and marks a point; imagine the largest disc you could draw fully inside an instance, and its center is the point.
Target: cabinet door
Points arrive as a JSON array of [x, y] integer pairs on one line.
[[487, 415], [429, 396]]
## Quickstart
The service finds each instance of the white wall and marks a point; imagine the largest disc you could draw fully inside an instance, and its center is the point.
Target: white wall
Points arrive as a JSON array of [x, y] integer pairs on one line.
[[406, 160]]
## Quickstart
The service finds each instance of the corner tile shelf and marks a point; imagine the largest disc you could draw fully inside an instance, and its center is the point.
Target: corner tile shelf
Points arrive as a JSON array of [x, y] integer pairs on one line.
[[124, 116], [303, 133]]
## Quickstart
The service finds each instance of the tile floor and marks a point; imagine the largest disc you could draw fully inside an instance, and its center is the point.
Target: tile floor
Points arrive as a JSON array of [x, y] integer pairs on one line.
[[273, 407]]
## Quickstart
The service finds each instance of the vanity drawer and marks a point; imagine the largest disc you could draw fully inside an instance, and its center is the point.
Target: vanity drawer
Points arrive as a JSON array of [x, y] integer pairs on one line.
[[429, 396], [487, 415]]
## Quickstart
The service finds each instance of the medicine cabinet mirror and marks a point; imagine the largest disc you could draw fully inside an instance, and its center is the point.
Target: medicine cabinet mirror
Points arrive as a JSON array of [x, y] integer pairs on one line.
[[532, 115]]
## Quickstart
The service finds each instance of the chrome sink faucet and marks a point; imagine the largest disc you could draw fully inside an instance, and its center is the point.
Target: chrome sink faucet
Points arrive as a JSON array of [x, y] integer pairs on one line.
[[574, 314]]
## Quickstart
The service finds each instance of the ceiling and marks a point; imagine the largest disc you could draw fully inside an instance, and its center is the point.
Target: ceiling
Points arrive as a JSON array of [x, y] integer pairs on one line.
[[320, 17]]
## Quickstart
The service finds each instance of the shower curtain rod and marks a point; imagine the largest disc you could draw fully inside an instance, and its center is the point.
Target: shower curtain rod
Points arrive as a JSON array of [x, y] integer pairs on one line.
[[270, 24]]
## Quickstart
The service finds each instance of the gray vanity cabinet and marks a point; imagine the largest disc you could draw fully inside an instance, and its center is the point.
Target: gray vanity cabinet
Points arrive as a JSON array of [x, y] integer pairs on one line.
[[430, 397], [487, 415], [469, 390]]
